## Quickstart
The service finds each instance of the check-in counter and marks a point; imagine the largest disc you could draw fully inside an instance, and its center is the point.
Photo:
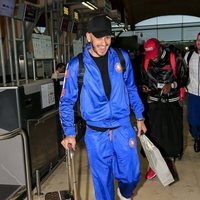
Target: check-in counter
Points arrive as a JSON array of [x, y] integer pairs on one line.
[[15, 165], [12, 165], [32, 108]]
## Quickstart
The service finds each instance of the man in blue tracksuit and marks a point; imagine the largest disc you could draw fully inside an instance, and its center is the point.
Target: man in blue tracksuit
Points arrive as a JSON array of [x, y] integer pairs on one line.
[[106, 96]]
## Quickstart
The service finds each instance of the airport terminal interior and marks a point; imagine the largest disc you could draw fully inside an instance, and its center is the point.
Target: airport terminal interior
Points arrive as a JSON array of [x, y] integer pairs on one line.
[[37, 35]]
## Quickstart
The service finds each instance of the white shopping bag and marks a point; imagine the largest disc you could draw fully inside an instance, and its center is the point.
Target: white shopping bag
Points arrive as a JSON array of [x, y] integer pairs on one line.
[[156, 161]]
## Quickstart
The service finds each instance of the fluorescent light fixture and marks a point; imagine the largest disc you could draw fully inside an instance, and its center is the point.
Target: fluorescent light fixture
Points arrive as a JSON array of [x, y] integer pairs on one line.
[[109, 17], [89, 5]]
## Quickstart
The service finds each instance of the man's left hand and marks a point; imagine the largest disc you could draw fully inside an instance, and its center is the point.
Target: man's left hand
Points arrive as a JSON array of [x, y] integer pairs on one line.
[[141, 127]]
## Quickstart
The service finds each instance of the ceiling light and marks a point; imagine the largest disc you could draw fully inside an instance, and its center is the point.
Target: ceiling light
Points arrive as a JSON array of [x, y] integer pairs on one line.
[[89, 5], [109, 17]]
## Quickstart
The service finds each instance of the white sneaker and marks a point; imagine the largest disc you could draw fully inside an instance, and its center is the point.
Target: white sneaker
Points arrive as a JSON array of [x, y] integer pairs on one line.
[[120, 195]]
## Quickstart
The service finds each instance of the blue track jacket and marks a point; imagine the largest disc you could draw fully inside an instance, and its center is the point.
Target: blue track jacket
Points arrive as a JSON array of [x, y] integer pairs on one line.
[[95, 108]]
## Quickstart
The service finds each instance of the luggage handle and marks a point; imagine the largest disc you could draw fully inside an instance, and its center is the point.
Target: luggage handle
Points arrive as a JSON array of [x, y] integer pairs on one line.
[[71, 171]]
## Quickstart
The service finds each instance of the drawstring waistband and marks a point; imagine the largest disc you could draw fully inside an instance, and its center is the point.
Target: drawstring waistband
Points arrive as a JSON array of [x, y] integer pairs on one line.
[[101, 129]]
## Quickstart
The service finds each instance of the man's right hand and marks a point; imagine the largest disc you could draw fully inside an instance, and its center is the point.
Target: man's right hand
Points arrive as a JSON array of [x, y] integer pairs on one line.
[[69, 142]]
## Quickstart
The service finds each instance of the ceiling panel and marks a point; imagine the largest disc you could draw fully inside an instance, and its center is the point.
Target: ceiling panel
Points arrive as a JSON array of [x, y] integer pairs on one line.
[[139, 10]]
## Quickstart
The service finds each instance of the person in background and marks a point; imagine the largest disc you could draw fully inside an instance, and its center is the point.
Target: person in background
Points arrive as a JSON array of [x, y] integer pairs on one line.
[[105, 99], [59, 73], [163, 83], [194, 92], [137, 62], [57, 78]]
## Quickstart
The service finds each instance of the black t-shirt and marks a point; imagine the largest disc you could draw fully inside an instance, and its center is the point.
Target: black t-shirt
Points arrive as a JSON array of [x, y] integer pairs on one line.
[[102, 63]]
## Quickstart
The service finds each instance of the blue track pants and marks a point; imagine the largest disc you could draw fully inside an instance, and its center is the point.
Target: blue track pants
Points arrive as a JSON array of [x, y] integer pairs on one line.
[[194, 115], [113, 154]]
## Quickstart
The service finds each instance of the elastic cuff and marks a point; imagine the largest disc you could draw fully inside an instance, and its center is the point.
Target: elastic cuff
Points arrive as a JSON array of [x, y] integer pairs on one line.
[[70, 131]]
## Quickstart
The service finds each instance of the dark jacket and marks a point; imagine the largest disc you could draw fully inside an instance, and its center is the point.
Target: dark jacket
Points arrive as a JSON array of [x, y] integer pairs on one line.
[[161, 73]]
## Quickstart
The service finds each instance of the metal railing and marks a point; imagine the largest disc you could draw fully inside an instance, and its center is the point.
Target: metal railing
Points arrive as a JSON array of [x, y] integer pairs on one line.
[[13, 134]]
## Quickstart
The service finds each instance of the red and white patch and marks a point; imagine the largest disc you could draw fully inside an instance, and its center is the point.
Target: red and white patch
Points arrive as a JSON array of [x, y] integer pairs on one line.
[[118, 67], [66, 73], [63, 92], [131, 142]]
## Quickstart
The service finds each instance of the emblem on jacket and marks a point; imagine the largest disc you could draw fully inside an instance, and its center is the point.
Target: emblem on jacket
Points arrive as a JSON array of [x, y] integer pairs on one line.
[[118, 67], [131, 142]]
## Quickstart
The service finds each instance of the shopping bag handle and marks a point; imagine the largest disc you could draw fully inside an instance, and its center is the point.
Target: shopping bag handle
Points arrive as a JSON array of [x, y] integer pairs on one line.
[[149, 145], [142, 132], [136, 129]]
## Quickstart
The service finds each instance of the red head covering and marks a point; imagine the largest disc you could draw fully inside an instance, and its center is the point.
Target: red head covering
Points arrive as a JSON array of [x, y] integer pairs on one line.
[[151, 48]]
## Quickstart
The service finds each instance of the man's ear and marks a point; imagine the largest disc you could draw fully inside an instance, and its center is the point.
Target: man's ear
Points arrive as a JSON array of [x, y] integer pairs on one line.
[[88, 37]]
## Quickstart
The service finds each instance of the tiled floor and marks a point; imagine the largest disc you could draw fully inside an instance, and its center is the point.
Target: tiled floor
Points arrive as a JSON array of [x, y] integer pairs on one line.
[[188, 188]]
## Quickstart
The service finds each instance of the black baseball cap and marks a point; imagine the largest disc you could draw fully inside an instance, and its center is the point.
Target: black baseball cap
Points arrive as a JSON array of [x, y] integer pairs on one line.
[[99, 26]]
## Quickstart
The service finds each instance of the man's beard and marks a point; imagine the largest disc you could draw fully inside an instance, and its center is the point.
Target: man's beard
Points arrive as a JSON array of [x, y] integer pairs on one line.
[[95, 51]]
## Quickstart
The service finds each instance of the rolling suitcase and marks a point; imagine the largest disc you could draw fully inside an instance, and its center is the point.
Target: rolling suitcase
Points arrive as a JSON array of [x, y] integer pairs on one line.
[[70, 194]]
